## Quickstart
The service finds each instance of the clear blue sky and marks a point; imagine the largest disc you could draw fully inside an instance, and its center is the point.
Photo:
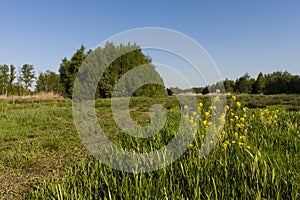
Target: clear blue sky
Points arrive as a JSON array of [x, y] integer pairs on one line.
[[240, 36]]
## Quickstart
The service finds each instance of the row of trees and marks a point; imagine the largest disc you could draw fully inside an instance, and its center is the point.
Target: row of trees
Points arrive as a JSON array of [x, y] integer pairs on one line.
[[120, 59], [49, 81], [12, 83], [118, 64], [275, 83]]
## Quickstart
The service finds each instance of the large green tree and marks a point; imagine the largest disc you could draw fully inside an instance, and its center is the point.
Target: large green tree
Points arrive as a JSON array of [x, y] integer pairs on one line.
[[117, 62], [127, 61], [27, 76], [69, 68], [260, 84], [244, 84], [229, 85], [12, 77]]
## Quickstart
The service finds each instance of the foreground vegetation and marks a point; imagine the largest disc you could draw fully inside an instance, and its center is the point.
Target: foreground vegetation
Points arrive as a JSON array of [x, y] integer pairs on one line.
[[257, 156]]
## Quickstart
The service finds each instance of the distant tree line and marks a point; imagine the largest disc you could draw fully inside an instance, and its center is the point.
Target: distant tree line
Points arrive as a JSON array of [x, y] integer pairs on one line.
[[21, 81], [275, 83]]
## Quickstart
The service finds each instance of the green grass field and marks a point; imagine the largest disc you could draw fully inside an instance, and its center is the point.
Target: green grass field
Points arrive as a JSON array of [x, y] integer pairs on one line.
[[257, 156]]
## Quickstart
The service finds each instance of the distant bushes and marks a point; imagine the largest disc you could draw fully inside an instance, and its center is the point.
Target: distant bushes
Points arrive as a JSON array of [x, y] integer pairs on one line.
[[275, 83]]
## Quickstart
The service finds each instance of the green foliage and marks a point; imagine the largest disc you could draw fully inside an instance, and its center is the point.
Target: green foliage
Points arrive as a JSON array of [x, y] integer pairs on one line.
[[27, 76], [229, 85], [12, 77], [279, 82], [37, 139], [198, 90], [175, 90], [260, 84], [205, 90], [295, 84], [125, 62], [267, 170], [112, 63], [68, 70], [170, 92], [41, 154], [244, 84], [274, 83], [4, 78], [48, 82]]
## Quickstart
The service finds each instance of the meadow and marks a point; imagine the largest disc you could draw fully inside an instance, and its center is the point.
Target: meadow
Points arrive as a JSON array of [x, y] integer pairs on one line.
[[257, 155]]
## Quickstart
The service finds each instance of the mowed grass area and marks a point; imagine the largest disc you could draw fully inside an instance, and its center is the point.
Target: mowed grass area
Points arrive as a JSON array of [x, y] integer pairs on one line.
[[257, 156], [37, 140]]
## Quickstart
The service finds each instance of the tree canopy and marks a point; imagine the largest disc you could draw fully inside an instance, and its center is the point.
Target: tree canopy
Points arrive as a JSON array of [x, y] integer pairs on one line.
[[117, 61], [275, 83]]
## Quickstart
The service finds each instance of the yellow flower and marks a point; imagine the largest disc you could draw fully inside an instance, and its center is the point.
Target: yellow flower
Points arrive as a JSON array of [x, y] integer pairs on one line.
[[204, 122], [233, 98], [194, 113], [236, 134], [225, 146], [207, 114], [242, 119], [227, 107], [186, 116], [202, 136], [216, 99], [223, 133], [236, 117], [218, 91], [233, 142], [248, 147], [185, 107], [238, 104], [261, 115], [200, 105], [191, 145], [212, 107], [242, 137], [245, 109]]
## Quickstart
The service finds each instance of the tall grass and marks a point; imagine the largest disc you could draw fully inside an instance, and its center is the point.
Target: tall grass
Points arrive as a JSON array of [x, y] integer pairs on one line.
[[257, 157]]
